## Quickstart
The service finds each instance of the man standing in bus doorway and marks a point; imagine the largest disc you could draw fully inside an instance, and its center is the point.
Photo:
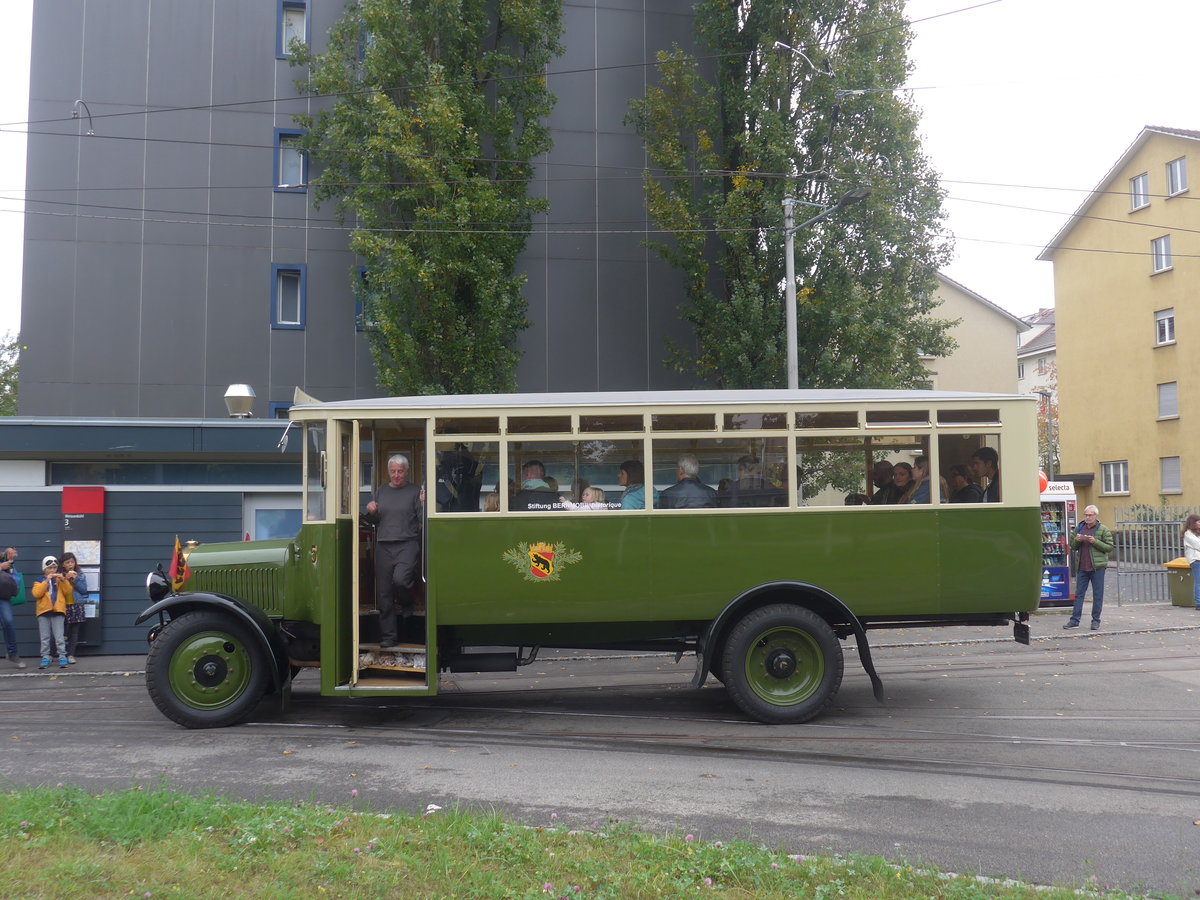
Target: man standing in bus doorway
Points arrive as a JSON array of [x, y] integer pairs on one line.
[[1094, 542], [985, 463], [397, 514]]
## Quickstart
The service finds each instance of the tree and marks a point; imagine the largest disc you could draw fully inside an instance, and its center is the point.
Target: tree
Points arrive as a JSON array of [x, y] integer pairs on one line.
[[734, 131], [428, 149], [10, 368], [1047, 419]]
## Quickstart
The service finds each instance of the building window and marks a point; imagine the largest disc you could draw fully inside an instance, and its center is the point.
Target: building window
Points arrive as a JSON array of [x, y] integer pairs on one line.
[[1172, 482], [1168, 400], [1164, 326], [1160, 250], [291, 162], [278, 409], [291, 24], [1177, 181], [1139, 191], [288, 301], [1020, 370], [1114, 477]]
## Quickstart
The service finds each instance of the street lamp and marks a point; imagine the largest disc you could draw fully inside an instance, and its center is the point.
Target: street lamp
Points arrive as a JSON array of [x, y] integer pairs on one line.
[[851, 196]]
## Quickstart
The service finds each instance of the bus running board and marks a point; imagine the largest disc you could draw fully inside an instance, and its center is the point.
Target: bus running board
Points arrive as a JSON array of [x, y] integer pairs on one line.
[[483, 662]]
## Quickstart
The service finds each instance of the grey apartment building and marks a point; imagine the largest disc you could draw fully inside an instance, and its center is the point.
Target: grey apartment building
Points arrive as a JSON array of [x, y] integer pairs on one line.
[[171, 248]]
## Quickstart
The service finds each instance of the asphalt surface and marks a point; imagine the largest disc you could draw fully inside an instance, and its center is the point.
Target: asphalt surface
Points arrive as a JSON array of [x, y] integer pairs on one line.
[[1075, 760]]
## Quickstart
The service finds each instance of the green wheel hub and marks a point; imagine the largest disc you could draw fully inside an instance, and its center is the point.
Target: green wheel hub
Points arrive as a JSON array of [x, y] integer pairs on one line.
[[209, 670], [785, 666]]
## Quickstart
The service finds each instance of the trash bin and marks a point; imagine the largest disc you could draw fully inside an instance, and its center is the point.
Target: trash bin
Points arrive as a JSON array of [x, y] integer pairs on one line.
[[1179, 576]]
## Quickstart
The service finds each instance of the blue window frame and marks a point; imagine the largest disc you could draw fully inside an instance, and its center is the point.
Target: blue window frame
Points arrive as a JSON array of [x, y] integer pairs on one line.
[[290, 169], [289, 300], [291, 23], [278, 409]]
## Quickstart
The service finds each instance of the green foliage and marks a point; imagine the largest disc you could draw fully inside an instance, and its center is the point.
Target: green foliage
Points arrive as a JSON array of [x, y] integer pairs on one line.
[[427, 152], [10, 370], [723, 132]]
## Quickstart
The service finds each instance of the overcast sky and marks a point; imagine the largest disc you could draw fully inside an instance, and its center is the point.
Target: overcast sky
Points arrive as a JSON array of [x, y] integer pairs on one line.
[[1026, 105]]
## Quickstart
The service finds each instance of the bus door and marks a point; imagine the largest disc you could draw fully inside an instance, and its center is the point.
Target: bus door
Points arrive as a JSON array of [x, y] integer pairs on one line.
[[402, 667]]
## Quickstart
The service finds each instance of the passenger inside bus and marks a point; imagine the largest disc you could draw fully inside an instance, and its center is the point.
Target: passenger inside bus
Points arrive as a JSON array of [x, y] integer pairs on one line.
[[688, 492], [536, 491], [963, 489], [632, 478], [985, 463]]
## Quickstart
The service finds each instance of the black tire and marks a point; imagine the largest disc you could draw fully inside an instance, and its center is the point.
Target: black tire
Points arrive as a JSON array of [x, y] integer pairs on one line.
[[782, 664], [206, 669]]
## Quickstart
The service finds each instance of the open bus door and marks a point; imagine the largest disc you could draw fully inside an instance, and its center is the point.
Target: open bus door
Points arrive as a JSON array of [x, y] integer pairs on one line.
[[404, 668], [333, 570]]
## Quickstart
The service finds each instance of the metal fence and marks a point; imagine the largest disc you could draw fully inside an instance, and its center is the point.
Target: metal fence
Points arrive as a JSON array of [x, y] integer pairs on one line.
[[1146, 537]]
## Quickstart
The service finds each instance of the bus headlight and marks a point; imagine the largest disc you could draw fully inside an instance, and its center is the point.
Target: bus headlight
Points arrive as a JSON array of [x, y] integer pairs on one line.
[[157, 586]]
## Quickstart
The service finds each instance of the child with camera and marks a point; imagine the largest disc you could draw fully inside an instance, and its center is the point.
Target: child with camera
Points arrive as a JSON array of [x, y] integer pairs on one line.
[[53, 593]]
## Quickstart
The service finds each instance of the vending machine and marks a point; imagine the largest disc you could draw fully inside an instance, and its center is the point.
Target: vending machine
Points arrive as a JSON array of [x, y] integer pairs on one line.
[[1058, 525]]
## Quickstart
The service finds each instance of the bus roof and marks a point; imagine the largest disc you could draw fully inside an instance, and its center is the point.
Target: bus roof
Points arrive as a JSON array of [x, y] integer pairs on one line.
[[653, 398]]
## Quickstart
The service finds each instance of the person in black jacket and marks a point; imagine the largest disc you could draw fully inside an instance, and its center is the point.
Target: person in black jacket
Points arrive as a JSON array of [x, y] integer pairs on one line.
[[688, 492], [962, 488]]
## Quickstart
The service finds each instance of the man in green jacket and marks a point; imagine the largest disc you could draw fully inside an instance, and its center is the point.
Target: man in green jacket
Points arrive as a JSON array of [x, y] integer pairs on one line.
[[1094, 542]]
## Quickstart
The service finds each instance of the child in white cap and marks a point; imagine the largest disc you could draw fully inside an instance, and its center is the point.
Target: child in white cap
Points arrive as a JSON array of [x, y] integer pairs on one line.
[[52, 592]]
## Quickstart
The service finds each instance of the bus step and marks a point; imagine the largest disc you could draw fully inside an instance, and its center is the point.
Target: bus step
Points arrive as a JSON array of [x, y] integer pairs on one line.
[[401, 658]]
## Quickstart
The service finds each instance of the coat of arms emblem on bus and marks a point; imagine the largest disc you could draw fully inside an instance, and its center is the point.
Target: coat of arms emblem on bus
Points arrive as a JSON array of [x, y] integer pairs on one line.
[[541, 561]]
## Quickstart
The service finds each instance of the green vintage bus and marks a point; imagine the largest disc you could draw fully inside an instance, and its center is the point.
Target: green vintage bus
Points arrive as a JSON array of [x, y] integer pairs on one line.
[[781, 554]]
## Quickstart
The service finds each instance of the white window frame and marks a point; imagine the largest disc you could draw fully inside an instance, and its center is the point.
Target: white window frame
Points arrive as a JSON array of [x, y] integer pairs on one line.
[[1160, 253], [1177, 176], [280, 274], [1170, 475], [1020, 371], [287, 14], [252, 504], [291, 161], [1164, 326], [1139, 192], [1114, 477], [1168, 400]]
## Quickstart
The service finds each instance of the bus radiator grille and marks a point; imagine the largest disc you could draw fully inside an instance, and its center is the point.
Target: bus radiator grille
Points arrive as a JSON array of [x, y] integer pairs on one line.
[[257, 585]]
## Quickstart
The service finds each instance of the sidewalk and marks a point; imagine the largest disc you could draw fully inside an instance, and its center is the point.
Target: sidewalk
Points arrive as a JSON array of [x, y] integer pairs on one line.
[[1046, 624]]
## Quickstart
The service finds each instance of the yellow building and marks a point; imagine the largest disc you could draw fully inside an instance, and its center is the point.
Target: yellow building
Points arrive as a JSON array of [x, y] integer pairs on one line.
[[987, 337], [1125, 266]]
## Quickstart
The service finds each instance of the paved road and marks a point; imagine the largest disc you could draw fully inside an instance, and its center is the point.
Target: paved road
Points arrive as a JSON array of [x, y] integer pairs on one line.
[[1076, 757]]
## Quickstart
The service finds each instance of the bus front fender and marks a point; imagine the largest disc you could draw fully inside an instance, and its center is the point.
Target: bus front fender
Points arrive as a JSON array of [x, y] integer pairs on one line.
[[820, 601], [261, 626]]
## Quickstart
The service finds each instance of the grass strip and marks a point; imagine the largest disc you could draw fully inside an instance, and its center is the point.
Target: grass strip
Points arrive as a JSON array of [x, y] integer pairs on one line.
[[63, 842]]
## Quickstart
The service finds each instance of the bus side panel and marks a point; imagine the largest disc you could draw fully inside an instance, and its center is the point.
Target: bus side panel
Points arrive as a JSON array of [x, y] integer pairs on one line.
[[990, 558], [481, 572], [687, 566]]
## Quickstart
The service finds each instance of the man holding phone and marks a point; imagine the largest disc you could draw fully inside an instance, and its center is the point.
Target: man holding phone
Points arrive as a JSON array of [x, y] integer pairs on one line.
[[12, 591]]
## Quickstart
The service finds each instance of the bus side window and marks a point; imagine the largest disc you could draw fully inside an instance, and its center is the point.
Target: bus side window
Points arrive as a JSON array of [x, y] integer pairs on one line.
[[467, 472]]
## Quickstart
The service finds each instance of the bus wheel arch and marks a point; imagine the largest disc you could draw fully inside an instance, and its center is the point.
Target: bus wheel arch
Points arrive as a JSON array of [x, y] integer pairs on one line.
[[206, 669], [824, 615]]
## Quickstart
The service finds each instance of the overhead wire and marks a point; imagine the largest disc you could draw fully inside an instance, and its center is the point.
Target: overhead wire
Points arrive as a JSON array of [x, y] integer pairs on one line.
[[233, 104]]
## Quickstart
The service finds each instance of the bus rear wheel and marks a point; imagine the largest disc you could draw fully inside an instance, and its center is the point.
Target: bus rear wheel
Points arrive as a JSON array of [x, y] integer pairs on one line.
[[782, 664], [205, 670]]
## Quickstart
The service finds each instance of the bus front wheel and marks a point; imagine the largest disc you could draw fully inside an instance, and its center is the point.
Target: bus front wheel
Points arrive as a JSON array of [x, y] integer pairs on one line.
[[782, 664], [205, 670]]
